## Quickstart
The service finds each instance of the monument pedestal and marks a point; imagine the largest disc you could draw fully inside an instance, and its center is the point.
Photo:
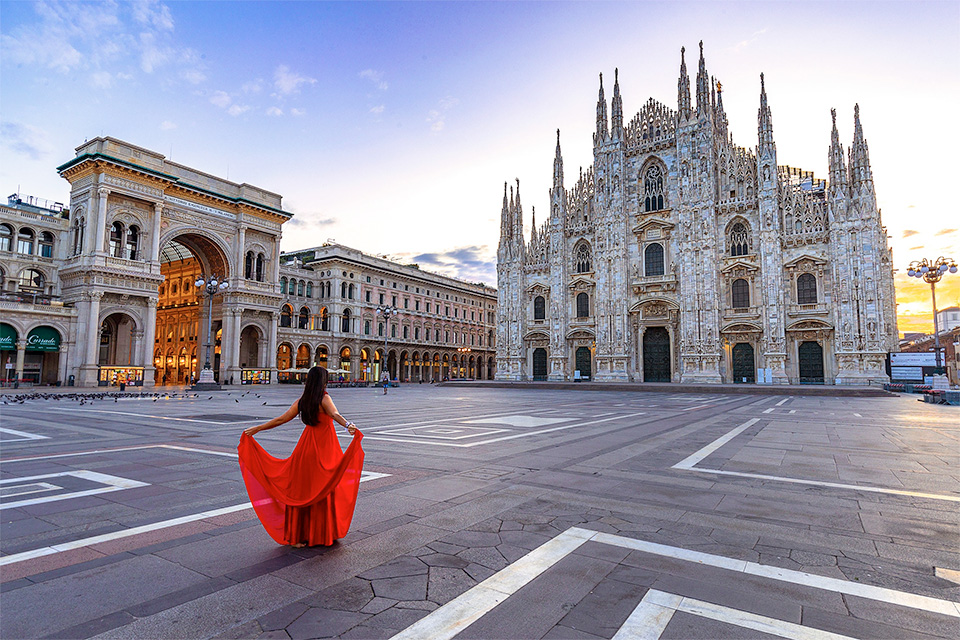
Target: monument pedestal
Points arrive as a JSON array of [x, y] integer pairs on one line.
[[206, 381]]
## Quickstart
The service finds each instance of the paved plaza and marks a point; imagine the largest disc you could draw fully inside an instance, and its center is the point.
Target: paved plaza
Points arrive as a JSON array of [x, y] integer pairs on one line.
[[490, 513]]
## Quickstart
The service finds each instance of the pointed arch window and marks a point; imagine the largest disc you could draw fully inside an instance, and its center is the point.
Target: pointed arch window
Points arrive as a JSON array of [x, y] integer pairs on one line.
[[132, 243], [345, 321], [248, 266], [259, 267], [303, 321], [324, 320], [286, 316], [581, 258], [739, 239], [583, 305], [653, 264], [343, 289], [807, 289], [539, 308], [78, 226], [653, 189], [740, 292]]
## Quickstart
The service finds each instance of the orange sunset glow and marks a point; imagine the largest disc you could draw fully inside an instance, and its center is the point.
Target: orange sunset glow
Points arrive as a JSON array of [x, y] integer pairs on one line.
[[914, 301]]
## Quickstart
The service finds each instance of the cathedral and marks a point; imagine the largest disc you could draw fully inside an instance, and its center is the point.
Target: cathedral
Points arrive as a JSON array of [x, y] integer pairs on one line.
[[680, 256]]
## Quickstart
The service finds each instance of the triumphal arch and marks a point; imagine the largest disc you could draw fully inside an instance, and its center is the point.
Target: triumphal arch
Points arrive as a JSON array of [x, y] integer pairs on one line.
[[142, 229]]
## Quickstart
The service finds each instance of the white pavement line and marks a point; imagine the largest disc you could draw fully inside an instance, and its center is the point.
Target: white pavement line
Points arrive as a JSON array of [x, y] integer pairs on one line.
[[755, 622], [782, 402], [699, 406], [111, 483], [832, 485], [770, 410], [458, 614], [23, 435], [793, 410], [135, 448], [650, 618], [880, 594], [858, 415], [691, 460], [126, 533], [947, 574], [24, 489]]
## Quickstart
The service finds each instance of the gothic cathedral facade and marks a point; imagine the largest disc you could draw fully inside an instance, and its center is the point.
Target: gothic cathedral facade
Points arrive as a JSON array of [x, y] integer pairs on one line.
[[680, 256]]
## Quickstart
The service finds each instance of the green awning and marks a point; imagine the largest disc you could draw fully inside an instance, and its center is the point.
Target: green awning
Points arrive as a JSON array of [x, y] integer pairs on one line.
[[43, 339], [8, 337]]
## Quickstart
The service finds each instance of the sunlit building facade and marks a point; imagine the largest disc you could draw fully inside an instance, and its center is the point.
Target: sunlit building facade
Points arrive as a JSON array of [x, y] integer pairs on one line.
[[680, 256]]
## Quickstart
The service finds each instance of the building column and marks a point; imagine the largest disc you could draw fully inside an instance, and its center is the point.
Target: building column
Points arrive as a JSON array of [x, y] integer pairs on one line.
[[21, 352], [138, 351], [271, 360], [155, 234], [62, 363], [149, 344], [276, 262], [102, 194], [89, 369], [235, 319], [241, 246]]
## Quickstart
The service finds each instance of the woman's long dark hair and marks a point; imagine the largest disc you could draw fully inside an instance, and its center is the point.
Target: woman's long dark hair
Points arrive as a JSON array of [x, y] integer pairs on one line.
[[313, 391]]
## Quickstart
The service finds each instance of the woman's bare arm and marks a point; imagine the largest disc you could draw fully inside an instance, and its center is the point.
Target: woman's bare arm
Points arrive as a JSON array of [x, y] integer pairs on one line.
[[286, 417], [331, 409]]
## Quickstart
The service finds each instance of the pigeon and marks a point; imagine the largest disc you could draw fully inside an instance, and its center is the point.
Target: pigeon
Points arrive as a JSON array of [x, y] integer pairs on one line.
[[260, 405], [235, 400]]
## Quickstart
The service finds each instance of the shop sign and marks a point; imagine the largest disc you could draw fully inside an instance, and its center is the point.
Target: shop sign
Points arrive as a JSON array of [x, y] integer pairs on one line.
[[43, 339], [8, 337]]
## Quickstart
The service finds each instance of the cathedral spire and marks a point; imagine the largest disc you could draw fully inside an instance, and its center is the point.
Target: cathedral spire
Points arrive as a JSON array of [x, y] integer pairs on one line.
[[683, 88], [601, 134], [703, 87], [720, 115], [616, 108], [765, 122], [860, 172], [533, 226], [838, 169], [506, 227], [518, 219], [558, 166]]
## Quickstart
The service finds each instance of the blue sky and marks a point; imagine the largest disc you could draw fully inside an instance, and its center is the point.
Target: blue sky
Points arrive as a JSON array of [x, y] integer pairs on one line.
[[391, 127]]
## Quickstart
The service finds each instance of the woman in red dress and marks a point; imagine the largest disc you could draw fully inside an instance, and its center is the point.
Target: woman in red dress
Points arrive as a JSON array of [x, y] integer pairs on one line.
[[308, 498]]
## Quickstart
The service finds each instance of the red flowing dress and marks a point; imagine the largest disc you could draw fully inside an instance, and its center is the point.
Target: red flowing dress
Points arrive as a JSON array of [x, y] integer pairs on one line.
[[309, 497]]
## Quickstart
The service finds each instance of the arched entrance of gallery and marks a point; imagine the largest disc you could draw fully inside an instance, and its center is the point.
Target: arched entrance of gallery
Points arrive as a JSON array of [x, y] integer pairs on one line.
[[182, 312]]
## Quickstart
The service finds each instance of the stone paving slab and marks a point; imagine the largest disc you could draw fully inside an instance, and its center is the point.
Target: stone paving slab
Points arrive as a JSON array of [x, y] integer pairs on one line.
[[447, 519]]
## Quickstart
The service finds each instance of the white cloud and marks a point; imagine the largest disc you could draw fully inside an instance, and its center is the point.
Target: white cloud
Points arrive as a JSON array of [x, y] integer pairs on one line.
[[297, 112], [274, 111], [288, 82], [376, 77], [102, 79], [26, 139], [743, 44], [166, 125], [152, 13], [221, 99], [193, 76], [253, 86], [377, 110], [236, 110], [437, 117]]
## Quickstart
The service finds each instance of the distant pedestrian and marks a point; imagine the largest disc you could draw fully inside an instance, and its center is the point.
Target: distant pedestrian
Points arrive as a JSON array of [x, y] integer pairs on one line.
[[385, 379], [308, 498]]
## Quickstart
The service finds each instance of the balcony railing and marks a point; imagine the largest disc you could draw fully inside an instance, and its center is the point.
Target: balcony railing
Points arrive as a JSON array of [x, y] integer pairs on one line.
[[741, 312], [816, 309]]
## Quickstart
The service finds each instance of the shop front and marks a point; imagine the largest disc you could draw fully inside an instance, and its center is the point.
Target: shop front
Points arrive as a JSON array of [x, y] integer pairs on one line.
[[255, 376], [41, 360], [114, 376], [8, 354]]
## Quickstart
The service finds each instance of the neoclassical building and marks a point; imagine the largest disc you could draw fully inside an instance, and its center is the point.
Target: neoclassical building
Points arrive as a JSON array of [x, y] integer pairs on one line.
[[682, 256], [103, 290], [444, 327]]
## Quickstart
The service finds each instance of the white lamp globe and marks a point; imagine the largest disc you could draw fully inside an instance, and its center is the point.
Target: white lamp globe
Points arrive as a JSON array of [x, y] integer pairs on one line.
[[224, 285], [924, 269], [911, 273], [953, 269], [199, 282]]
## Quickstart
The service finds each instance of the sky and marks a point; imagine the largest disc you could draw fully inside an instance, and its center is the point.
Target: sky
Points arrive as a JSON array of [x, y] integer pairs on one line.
[[391, 127]]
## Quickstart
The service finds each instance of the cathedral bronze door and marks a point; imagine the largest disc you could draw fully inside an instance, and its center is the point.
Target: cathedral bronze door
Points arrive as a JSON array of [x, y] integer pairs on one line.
[[539, 364], [583, 362], [811, 363], [744, 369], [656, 355]]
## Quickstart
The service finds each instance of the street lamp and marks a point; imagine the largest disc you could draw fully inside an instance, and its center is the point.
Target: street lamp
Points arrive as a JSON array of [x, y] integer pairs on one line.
[[387, 311], [932, 272], [211, 287]]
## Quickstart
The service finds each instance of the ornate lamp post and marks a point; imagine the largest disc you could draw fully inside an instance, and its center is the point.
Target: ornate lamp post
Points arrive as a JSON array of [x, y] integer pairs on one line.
[[387, 311], [932, 272], [462, 351], [210, 286]]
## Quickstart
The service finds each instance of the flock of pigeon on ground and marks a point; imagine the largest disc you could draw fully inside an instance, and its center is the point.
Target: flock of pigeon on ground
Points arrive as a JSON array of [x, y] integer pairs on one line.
[[89, 398]]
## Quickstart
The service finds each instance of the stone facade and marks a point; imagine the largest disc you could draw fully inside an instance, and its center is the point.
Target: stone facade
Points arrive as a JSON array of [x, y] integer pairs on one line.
[[681, 256], [444, 328]]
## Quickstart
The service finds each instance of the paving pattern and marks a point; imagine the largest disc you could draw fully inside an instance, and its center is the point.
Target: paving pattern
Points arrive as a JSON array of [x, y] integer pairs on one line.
[[490, 513]]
